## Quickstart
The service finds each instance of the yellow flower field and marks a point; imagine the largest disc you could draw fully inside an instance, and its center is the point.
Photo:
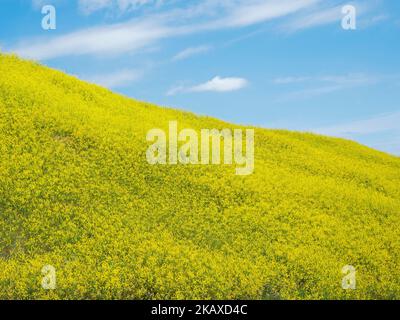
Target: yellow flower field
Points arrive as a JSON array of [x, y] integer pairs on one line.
[[77, 193]]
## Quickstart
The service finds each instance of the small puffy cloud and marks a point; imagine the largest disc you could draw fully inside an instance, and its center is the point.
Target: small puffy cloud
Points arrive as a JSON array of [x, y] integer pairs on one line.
[[217, 84], [189, 52]]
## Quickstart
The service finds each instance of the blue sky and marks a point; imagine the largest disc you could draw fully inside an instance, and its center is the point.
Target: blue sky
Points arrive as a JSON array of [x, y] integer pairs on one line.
[[271, 63]]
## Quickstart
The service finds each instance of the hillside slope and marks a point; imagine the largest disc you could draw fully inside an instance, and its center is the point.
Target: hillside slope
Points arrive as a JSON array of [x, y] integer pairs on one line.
[[77, 193]]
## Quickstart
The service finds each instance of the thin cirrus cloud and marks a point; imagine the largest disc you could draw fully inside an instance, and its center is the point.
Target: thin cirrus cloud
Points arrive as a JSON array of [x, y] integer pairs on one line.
[[313, 86], [290, 80], [189, 52], [217, 84], [251, 12], [385, 127], [313, 19], [109, 40], [328, 14], [90, 6], [350, 79], [116, 79], [134, 35], [38, 3], [379, 123]]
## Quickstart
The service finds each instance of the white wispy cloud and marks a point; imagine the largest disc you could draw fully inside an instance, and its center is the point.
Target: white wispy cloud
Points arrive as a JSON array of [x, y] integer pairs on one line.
[[373, 20], [328, 13], [319, 85], [118, 79], [382, 131], [131, 36], [217, 84], [38, 4], [189, 52], [175, 90], [315, 18], [379, 123], [252, 12], [90, 6], [185, 18], [290, 80], [116, 39]]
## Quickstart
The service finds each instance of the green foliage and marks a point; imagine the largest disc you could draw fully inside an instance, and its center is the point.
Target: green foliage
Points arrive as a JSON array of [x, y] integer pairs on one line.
[[77, 193]]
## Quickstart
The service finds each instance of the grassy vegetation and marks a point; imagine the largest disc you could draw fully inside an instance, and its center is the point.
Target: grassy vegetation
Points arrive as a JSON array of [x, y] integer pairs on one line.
[[77, 193]]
